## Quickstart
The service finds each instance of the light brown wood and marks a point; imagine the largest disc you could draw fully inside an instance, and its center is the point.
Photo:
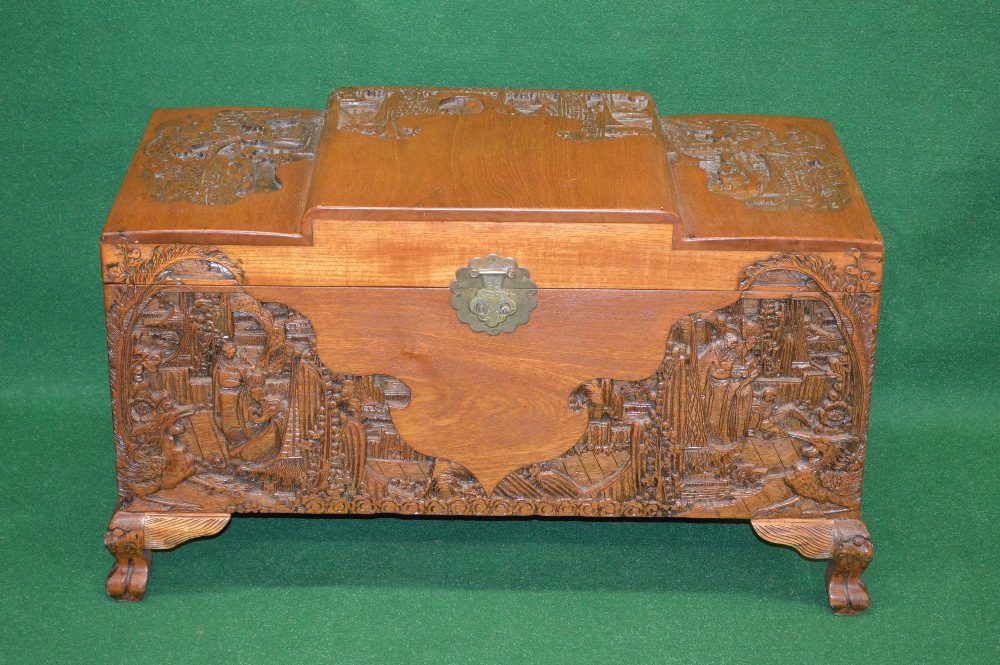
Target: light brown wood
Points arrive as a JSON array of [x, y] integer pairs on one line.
[[492, 405], [472, 174], [499, 160], [427, 254], [779, 371], [844, 542], [218, 162], [762, 165], [491, 302], [131, 536]]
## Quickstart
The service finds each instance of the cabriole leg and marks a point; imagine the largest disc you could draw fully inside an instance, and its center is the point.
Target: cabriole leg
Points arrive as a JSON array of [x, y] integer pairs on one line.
[[851, 555], [844, 542], [126, 542], [132, 536]]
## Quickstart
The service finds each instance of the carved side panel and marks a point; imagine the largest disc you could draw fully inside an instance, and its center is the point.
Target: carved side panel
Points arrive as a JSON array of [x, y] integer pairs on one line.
[[766, 171], [221, 404]]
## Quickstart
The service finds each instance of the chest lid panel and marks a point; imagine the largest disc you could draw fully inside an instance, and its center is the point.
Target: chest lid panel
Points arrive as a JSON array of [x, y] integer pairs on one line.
[[399, 187], [491, 155]]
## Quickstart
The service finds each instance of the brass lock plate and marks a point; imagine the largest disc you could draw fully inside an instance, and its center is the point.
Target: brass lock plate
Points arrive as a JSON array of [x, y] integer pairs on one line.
[[493, 295]]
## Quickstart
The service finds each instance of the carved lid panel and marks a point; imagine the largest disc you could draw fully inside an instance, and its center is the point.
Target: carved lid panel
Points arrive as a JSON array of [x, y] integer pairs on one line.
[[218, 176], [749, 181]]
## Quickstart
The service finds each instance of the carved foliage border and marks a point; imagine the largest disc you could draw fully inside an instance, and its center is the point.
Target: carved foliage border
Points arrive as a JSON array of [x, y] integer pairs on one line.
[[140, 278], [853, 293]]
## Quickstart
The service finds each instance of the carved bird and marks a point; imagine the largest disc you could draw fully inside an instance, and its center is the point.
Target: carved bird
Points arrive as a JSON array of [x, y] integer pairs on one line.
[[170, 463], [600, 398], [811, 477]]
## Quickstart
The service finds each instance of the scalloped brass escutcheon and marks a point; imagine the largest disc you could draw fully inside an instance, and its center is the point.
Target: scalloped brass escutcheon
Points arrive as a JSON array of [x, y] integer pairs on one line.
[[493, 295]]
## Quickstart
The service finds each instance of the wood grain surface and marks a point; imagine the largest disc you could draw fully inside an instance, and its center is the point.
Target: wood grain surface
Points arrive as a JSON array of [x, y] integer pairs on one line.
[[491, 163], [492, 404], [427, 254], [283, 334]]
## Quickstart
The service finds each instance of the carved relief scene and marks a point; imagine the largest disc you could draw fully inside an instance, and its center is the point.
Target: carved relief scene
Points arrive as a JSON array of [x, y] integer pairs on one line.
[[220, 159], [229, 408], [221, 403], [749, 162], [750, 414], [377, 112]]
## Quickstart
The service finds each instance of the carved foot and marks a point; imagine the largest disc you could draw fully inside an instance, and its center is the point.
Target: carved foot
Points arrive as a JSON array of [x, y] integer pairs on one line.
[[845, 542], [851, 555], [131, 536], [124, 539]]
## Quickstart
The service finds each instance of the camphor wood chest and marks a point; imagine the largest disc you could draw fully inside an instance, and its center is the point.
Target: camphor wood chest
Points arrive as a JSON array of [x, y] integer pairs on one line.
[[491, 302]]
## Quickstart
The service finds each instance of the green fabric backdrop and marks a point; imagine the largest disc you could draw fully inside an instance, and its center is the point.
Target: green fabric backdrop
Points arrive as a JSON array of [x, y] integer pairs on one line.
[[913, 93]]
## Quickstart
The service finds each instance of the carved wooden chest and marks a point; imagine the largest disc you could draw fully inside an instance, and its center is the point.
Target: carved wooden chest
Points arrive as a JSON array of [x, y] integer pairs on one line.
[[491, 302]]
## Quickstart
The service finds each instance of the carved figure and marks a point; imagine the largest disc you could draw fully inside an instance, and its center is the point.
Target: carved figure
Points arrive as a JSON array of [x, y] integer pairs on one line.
[[261, 421], [229, 375]]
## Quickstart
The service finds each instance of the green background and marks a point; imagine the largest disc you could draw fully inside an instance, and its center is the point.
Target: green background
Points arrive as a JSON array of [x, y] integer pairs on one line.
[[912, 90]]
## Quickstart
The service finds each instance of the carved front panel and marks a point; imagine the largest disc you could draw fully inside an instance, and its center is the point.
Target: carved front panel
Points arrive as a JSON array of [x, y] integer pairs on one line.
[[222, 403]]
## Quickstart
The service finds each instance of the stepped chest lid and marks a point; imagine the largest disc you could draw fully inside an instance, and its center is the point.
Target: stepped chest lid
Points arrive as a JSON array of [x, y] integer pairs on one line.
[[399, 186]]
